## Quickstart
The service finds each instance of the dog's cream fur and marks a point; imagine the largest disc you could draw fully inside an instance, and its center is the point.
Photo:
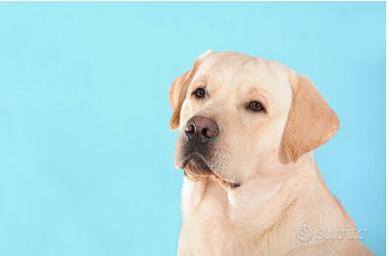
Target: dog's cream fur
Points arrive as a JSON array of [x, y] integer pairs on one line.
[[282, 206]]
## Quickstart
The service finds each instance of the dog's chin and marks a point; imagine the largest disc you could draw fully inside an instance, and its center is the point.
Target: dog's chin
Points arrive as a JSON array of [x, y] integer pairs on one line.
[[197, 168]]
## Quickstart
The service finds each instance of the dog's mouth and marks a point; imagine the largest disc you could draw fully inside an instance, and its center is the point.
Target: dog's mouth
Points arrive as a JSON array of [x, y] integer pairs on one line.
[[195, 167]]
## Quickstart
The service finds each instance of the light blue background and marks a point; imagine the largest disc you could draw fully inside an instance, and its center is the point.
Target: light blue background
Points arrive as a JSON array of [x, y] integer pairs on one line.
[[86, 157]]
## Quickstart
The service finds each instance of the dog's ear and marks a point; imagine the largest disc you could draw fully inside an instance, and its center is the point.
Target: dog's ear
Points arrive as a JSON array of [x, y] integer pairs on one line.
[[310, 123], [177, 94], [178, 90]]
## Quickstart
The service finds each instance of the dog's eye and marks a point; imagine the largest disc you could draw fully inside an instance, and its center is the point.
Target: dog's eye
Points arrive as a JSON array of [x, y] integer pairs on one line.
[[255, 106], [199, 93]]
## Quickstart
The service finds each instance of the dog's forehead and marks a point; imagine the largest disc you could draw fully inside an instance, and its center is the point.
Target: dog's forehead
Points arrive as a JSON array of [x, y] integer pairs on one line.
[[231, 70]]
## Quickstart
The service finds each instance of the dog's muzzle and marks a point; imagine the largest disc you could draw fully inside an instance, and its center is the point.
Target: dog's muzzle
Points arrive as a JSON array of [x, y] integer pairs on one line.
[[200, 133]]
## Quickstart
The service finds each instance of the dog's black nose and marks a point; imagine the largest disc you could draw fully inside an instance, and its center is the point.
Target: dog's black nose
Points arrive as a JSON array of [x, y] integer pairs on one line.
[[201, 128]]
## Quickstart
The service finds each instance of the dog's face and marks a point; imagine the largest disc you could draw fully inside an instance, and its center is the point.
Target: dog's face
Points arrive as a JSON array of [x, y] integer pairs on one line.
[[239, 114]]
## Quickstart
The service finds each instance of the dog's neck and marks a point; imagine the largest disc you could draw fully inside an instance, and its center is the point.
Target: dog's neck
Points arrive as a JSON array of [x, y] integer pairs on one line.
[[271, 194], [264, 200]]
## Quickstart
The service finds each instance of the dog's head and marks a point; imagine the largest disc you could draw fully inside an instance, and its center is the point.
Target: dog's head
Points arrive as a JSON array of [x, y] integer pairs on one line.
[[239, 114]]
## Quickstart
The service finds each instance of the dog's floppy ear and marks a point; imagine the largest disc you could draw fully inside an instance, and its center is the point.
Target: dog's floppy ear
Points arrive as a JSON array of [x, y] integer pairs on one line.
[[179, 88], [310, 123]]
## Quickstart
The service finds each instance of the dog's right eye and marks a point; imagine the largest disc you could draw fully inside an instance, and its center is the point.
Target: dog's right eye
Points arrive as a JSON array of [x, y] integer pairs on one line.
[[255, 106], [199, 93]]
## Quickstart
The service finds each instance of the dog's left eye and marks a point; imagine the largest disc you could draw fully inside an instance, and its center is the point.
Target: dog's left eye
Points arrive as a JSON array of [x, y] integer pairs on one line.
[[255, 106], [199, 93]]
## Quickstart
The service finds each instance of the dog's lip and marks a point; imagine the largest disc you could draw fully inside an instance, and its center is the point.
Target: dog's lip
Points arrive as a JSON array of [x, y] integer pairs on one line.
[[231, 184]]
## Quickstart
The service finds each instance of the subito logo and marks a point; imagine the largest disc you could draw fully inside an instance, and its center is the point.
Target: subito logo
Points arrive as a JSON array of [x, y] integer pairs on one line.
[[304, 233]]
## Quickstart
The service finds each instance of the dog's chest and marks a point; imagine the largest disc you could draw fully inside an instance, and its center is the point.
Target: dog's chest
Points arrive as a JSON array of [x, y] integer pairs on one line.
[[207, 227], [205, 233]]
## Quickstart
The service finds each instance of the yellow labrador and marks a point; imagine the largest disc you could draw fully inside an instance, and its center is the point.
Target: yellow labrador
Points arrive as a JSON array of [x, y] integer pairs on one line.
[[247, 130]]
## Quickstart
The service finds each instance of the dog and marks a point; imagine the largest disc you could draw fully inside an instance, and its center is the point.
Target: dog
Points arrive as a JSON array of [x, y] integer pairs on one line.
[[248, 127]]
